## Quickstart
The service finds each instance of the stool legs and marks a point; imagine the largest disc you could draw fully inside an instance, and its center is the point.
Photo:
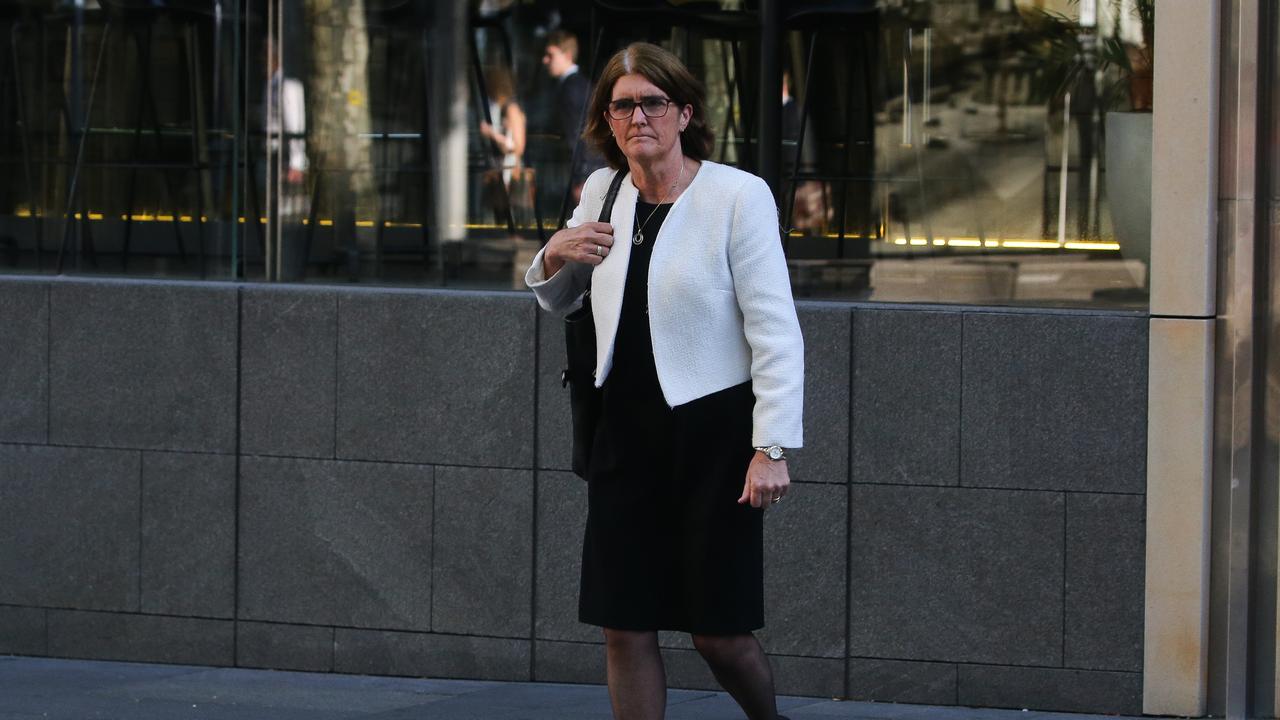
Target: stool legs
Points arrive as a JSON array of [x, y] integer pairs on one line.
[[79, 160]]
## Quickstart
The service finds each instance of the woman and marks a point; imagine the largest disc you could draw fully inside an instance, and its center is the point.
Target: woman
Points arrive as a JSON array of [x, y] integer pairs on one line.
[[700, 365], [508, 139]]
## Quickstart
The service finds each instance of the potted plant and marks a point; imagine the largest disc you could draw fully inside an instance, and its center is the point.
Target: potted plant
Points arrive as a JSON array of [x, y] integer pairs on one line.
[[1128, 143], [1068, 59]]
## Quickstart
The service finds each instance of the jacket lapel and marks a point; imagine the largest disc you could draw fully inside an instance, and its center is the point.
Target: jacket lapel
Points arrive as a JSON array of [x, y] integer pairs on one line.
[[609, 278]]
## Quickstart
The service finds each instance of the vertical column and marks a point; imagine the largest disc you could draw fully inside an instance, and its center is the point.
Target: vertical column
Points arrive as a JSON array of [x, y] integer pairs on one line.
[[1179, 468], [1240, 619], [1180, 399], [770, 137], [1184, 160], [448, 93]]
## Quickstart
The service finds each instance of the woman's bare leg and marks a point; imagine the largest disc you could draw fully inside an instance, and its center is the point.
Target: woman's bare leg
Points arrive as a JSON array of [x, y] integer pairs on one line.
[[637, 681], [742, 669]]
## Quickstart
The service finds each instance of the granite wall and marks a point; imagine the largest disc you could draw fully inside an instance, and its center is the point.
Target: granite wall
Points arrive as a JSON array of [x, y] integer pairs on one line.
[[374, 480]]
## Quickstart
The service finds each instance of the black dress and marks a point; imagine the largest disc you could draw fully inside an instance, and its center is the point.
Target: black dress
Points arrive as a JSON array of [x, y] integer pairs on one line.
[[667, 546]]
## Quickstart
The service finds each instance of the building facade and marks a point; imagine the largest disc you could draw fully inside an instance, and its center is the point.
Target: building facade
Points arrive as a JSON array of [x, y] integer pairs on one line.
[[270, 395]]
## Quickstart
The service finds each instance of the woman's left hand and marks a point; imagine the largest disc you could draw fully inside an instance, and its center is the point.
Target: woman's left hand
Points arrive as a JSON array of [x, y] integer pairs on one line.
[[767, 481]]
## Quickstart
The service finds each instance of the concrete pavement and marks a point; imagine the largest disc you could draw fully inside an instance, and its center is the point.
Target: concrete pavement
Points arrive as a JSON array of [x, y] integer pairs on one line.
[[56, 689]]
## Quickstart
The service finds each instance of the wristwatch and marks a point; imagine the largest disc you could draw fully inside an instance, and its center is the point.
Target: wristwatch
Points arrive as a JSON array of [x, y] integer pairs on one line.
[[773, 452]]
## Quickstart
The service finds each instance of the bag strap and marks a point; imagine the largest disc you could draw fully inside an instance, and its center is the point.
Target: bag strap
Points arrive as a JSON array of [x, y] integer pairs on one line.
[[606, 210]]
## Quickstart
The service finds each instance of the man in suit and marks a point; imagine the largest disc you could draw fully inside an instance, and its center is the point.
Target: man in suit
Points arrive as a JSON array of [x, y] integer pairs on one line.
[[572, 90]]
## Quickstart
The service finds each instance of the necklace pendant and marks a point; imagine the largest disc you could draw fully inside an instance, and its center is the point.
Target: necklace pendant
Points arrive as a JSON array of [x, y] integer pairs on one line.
[[638, 238]]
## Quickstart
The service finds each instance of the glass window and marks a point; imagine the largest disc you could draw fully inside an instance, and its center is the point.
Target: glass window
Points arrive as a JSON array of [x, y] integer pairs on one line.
[[965, 151]]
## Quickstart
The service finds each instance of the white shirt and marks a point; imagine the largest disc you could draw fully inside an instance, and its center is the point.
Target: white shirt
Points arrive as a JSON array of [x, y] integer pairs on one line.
[[293, 105], [720, 304]]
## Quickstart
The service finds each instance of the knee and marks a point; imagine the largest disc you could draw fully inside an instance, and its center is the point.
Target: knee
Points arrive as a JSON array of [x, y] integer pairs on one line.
[[629, 640], [720, 649]]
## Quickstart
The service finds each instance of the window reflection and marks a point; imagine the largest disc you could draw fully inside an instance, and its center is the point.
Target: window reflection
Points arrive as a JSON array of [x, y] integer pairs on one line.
[[984, 151]]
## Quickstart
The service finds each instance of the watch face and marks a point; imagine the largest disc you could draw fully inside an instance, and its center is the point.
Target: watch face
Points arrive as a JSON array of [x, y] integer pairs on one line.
[[775, 453]]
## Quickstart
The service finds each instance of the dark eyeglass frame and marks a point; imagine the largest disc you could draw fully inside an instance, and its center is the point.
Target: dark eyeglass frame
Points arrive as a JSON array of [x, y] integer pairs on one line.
[[614, 109]]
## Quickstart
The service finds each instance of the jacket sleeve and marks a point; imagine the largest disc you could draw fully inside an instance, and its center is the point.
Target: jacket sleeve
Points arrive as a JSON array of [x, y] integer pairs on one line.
[[763, 289], [561, 292]]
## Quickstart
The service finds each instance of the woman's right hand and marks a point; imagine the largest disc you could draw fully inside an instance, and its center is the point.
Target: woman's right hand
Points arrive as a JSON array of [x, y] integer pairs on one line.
[[589, 244]]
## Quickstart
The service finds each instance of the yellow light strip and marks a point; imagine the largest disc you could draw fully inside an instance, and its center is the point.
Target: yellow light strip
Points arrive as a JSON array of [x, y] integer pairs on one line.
[[1018, 244], [1092, 246], [1039, 244], [1010, 244], [830, 236]]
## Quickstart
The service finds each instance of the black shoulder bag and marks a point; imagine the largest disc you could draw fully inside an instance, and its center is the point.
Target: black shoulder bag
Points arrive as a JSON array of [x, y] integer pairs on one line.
[[580, 363]]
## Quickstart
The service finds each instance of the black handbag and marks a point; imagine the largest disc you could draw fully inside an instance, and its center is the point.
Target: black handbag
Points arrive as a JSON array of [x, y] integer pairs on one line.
[[580, 361]]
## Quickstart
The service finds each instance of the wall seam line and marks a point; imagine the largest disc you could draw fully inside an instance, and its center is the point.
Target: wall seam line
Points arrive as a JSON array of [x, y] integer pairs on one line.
[[435, 520], [847, 682], [48, 363], [235, 560], [141, 512], [960, 408], [963, 320], [337, 345], [1161, 316], [1062, 650], [533, 556]]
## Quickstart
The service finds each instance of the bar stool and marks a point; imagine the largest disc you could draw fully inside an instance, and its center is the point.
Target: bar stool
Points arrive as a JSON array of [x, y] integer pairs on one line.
[[18, 16], [855, 24], [139, 18]]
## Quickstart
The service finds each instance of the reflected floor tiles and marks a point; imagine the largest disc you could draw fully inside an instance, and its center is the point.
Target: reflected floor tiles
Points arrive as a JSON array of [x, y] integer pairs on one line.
[[54, 689]]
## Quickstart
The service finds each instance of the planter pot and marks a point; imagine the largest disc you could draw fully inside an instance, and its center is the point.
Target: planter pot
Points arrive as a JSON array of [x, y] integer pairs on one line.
[[1129, 183]]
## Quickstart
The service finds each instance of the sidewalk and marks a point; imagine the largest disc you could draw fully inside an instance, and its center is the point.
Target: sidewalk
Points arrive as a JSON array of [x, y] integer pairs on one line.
[[51, 689]]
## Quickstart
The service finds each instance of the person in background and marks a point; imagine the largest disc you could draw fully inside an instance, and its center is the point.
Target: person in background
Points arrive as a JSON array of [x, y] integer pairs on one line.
[[811, 210], [572, 89], [508, 136], [285, 123]]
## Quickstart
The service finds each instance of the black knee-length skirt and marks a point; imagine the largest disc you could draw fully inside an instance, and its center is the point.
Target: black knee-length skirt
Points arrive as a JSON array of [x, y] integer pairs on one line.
[[667, 545]]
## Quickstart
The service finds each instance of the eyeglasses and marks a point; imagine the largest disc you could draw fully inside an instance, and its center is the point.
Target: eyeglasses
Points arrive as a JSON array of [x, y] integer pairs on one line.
[[653, 106]]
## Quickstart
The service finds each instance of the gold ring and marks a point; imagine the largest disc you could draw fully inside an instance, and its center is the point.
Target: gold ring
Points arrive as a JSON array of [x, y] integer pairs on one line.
[[600, 250]]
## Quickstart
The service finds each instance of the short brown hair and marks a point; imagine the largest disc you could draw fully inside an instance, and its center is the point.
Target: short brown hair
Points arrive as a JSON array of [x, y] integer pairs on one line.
[[566, 41], [670, 75]]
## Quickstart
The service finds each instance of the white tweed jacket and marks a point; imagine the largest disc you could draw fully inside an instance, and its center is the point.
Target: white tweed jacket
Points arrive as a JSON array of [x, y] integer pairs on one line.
[[720, 305]]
